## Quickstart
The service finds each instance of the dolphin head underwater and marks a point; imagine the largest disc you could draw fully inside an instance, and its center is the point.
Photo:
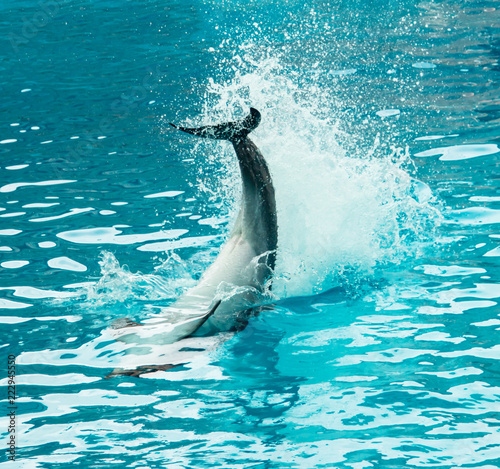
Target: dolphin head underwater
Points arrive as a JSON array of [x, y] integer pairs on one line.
[[244, 265]]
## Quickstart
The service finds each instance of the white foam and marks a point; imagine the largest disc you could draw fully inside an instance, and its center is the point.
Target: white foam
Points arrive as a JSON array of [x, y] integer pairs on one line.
[[336, 210]]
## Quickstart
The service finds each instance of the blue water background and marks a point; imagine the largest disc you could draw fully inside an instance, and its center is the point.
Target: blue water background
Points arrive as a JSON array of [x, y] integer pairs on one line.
[[381, 129]]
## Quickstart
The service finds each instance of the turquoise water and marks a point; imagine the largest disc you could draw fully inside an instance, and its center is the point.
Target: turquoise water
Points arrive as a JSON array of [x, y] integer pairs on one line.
[[381, 129]]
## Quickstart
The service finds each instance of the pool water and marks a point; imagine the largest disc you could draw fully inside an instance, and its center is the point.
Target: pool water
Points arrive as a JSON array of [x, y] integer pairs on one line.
[[380, 125]]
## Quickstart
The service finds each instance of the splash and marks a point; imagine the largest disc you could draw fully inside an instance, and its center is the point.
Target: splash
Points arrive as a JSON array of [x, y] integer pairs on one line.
[[118, 285], [339, 210]]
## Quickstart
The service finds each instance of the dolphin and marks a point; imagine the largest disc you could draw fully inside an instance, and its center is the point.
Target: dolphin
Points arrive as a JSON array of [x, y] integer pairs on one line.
[[242, 272]]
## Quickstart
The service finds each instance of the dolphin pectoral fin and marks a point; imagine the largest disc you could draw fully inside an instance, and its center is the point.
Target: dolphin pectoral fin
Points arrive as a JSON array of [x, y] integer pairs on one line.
[[228, 131], [140, 370], [210, 313], [196, 332], [161, 331]]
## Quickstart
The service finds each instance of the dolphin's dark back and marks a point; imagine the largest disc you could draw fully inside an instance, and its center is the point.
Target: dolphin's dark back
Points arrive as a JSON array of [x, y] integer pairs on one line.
[[258, 210], [257, 217], [232, 131]]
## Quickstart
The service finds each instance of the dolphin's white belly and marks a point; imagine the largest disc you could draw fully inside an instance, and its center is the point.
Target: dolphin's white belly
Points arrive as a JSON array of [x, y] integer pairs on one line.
[[234, 265], [234, 270], [232, 278]]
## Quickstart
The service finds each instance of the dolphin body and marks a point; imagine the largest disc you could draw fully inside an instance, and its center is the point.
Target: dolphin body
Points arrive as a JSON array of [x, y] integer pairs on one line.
[[243, 267]]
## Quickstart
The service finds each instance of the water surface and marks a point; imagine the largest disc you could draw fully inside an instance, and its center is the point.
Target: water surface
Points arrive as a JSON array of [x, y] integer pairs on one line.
[[380, 126]]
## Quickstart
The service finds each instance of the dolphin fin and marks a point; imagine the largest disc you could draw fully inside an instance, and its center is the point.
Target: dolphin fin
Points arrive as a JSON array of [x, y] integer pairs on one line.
[[210, 313], [159, 331], [231, 131]]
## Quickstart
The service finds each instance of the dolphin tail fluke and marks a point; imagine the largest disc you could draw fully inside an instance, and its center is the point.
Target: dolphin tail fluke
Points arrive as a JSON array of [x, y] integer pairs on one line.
[[232, 131]]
